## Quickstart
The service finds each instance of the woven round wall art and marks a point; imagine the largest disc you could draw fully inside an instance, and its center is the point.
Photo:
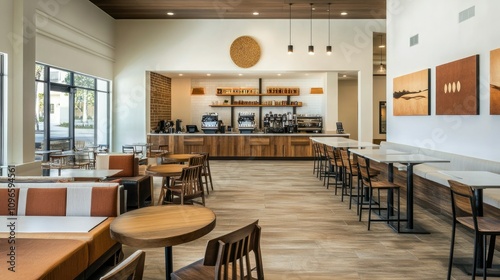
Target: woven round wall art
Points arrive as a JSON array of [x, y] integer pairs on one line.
[[245, 52]]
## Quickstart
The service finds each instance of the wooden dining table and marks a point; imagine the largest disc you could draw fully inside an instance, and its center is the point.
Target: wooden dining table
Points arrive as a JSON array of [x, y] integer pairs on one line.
[[178, 157], [166, 171], [163, 226]]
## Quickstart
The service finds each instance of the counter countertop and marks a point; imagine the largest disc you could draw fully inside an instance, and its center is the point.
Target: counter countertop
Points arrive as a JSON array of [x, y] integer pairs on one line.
[[323, 134]]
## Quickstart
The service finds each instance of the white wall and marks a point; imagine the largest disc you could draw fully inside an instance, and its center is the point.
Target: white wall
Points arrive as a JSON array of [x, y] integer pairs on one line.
[[203, 46], [72, 34], [442, 40]]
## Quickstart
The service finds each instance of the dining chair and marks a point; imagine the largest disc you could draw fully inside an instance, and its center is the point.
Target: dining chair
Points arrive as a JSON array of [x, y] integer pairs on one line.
[[465, 213], [228, 257], [372, 185], [128, 149], [186, 188], [333, 168], [206, 174], [131, 268]]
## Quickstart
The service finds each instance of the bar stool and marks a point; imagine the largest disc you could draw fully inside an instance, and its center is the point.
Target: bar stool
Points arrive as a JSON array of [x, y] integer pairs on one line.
[[377, 185]]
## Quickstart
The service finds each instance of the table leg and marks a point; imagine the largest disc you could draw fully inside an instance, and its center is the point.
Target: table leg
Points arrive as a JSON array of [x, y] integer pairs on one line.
[[409, 196], [390, 193], [168, 262]]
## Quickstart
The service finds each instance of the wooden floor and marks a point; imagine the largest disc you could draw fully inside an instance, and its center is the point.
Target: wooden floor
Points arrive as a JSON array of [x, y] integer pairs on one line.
[[308, 233]]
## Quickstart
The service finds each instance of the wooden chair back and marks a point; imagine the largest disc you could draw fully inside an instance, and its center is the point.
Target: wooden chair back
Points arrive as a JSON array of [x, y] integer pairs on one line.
[[230, 254], [190, 184], [346, 161], [462, 200], [364, 171], [131, 268], [197, 160]]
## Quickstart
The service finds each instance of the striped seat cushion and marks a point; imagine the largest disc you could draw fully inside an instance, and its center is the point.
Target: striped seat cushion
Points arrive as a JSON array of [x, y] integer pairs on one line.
[[74, 201]]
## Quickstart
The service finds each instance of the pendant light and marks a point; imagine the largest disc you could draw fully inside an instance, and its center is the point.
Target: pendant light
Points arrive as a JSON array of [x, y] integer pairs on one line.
[[329, 47], [311, 47], [382, 66], [290, 46]]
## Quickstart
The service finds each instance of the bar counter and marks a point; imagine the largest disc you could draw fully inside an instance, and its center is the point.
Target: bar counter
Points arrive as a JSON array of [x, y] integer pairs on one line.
[[236, 146]]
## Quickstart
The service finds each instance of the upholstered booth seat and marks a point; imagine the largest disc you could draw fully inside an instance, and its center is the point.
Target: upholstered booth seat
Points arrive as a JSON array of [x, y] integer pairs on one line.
[[86, 199], [139, 188], [45, 259]]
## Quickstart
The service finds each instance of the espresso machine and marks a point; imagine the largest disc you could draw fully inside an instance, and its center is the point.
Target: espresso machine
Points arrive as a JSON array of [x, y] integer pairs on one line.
[[246, 122], [210, 123], [280, 123]]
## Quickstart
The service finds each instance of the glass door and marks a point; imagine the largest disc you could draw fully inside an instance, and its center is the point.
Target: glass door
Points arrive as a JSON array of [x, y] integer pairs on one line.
[[61, 117]]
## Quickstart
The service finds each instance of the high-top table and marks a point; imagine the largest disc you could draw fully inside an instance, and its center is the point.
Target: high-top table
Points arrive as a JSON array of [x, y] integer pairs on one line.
[[409, 160], [478, 180], [163, 226]]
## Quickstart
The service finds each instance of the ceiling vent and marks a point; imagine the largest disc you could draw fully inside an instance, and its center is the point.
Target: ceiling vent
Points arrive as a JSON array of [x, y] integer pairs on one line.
[[413, 40]]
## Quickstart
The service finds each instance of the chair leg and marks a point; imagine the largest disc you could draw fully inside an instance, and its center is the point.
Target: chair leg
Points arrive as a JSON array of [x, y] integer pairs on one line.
[[452, 246], [369, 208], [485, 268], [474, 265]]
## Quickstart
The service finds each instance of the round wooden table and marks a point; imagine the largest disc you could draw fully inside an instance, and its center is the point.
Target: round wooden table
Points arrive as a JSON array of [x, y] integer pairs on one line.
[[162, 226], [165, 171]]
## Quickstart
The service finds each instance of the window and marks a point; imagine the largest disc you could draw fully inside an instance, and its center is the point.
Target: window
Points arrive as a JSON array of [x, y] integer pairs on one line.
[[77, 114]]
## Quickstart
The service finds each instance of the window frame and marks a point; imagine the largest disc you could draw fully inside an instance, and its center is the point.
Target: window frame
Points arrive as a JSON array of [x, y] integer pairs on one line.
[[2, 126], [71, 88]]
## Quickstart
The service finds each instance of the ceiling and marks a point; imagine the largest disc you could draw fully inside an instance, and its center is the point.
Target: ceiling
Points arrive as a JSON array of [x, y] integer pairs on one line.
[[244, 9], [241, 9]]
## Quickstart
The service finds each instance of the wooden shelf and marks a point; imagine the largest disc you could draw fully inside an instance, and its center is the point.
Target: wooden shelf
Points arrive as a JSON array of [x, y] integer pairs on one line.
[[258, 94], [253, 105]]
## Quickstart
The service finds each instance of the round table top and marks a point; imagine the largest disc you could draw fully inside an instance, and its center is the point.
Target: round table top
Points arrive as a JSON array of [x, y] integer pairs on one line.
[[179, 157], [166, 170], [162, 226]]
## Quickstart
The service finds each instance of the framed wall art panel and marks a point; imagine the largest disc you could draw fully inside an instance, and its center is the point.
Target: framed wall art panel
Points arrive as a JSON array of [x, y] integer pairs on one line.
[[411, 94], [457, 87], [495, 82]]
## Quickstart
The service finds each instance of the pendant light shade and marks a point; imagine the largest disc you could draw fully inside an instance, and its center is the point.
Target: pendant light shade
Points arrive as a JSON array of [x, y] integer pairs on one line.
[[329, 47], [311, 47], [290, 46]]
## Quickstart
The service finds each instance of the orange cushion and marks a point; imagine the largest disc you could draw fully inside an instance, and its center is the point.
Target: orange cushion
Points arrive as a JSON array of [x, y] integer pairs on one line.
[[46, 202], [104, 202], [5, 202], [123, 162]]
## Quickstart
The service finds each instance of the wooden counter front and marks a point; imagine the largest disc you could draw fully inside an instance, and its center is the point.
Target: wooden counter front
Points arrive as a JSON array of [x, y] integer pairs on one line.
[[235, 145]]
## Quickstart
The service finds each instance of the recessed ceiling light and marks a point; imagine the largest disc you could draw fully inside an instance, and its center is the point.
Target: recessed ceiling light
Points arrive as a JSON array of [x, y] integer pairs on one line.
[[240, 74], [381, 46], [343, 14], [170, 13], [209, 74], [344, 75], [279, 74], [255, 13], [181, 75]]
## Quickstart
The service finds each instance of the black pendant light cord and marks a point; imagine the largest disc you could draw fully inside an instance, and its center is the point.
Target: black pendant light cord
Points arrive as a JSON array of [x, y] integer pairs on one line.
[[290, 23], [329, 9], [311, 24]]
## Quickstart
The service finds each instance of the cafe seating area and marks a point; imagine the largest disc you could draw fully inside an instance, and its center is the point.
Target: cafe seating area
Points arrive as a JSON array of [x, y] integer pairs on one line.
[[71, 218]]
